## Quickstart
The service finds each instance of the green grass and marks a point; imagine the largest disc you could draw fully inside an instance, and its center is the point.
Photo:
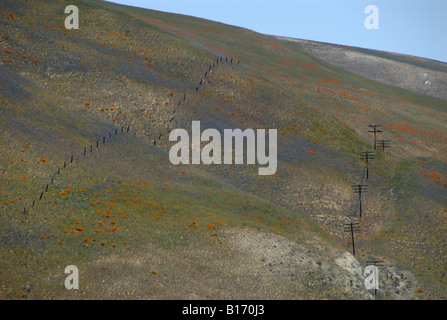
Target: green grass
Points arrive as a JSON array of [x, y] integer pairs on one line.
[[415, 237]]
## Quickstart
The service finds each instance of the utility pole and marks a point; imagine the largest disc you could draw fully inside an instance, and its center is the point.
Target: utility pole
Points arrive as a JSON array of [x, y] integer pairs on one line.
[[383, 144], [360, 188], [375, 131], [352, 227], [378, 264], [367, 155]]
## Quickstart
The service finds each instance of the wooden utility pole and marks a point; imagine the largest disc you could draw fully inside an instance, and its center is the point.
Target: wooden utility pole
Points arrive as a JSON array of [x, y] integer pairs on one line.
[[360, 188], [375, 131], [352, 227], [368, 155]]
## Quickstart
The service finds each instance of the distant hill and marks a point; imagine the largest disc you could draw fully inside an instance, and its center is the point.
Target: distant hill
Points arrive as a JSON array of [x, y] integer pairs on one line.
[[409, 72]]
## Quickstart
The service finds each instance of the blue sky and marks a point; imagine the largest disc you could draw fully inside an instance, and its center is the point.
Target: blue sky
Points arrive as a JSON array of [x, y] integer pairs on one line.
[[415, 27]]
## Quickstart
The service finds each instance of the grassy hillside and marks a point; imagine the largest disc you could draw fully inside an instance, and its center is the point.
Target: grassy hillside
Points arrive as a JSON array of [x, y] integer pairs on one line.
[[139, 227]]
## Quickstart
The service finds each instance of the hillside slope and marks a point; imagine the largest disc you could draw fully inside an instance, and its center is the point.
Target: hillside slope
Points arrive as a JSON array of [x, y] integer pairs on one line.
[[85, 119]]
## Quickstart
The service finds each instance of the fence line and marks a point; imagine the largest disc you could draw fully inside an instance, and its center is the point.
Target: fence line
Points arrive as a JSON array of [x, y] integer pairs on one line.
[[86, 150]]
